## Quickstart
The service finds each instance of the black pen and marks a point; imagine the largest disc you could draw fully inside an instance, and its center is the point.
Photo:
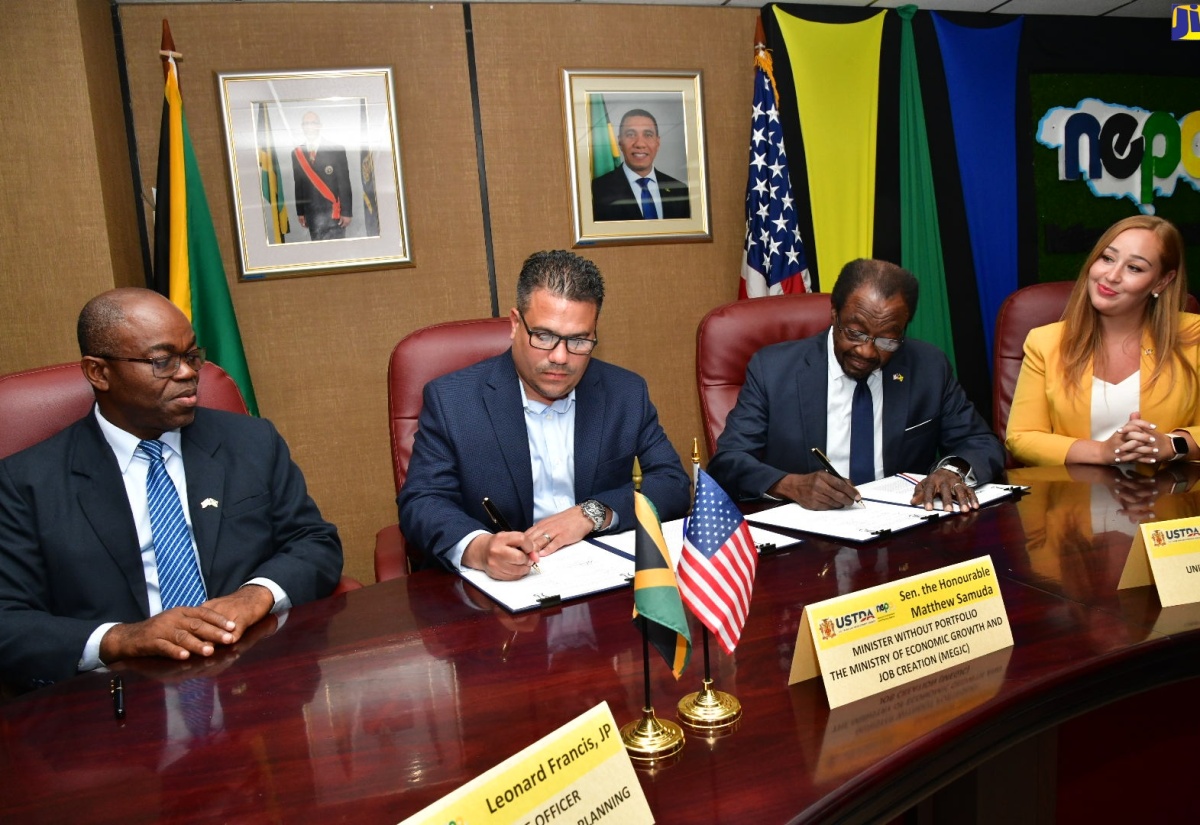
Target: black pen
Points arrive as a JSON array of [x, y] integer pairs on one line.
[[500, 521], [116, 687], [829, 468]]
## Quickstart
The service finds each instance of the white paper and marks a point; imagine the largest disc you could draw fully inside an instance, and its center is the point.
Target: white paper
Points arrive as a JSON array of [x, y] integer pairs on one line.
[[898, 489], [856, 523]]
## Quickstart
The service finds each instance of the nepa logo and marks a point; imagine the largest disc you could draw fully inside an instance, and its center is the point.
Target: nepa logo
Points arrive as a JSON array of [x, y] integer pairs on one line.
[[1185, 21], [1124, 151], [859, 618]]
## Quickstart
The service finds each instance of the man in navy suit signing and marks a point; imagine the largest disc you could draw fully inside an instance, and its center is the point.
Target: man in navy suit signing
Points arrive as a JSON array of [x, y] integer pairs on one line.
[[87, 516], [873, 401], [544, 431], [635, 190]]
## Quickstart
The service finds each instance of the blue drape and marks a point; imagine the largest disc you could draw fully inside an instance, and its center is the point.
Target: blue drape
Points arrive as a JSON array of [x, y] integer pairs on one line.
[[981, 76]]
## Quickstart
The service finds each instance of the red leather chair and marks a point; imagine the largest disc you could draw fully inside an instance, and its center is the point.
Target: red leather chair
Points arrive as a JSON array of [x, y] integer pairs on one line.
[[37, 403], [729, 335], [1028, 307], [418, 359]]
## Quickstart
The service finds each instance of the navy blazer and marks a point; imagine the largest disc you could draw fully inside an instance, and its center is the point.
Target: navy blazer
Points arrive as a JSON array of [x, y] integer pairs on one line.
[[69, 554], [472, 442], [614, 200], [781, 415]]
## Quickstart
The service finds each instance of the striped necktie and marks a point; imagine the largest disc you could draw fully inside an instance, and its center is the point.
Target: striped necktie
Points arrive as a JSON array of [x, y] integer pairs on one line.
[[179, 581]]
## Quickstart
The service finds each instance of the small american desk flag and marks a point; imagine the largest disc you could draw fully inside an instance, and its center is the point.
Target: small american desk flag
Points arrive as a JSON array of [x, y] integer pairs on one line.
[[716, 568]]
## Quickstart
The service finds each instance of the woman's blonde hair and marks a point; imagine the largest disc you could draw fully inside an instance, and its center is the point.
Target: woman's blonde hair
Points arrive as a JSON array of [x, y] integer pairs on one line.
[[1081, 342]]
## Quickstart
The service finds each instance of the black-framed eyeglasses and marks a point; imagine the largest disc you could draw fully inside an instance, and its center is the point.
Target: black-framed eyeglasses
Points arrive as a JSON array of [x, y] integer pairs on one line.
[[165, 366], [540, 339], [856, 337]]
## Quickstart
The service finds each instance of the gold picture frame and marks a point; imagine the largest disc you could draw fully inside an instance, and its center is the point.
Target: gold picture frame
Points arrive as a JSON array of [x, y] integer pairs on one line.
[[314, 164], [603, 157]]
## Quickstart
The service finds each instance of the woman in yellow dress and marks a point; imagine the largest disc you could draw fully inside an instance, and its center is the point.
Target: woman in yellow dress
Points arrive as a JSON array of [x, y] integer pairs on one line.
[[1115, 380]]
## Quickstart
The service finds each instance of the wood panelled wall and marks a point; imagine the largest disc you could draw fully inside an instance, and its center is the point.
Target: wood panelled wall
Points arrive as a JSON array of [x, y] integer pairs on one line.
[[318, 346]]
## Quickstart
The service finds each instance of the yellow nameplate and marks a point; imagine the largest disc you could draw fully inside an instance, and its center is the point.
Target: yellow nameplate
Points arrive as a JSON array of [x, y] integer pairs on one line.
[[579, 773], [888, 635], [1166, 554]]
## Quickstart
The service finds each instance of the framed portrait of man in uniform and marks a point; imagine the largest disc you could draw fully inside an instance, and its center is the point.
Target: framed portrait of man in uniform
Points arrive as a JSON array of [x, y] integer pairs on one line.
[[315, 168], [635, 147]]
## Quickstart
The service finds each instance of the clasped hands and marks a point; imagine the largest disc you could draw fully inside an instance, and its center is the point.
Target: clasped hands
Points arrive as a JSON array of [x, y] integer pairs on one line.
[[182, 632], [1135, 440], [511, 554], [825, 491]]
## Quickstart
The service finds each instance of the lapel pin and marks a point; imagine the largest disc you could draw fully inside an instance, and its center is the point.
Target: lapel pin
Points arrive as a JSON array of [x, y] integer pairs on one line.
[[898, 377], [208, 502]]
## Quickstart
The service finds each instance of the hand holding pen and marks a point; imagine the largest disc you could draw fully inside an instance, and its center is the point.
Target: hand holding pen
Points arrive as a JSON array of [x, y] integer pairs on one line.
[[831, 470], [502, 526], [822, 490]]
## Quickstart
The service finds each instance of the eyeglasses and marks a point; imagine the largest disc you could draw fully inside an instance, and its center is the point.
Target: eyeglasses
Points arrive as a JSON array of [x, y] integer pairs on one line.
[[540, 339], [856, 338], [165, 366]]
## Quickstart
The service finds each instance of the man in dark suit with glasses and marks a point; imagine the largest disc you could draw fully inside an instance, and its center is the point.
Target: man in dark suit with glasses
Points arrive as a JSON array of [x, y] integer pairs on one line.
[[544, 431], [871, 401]]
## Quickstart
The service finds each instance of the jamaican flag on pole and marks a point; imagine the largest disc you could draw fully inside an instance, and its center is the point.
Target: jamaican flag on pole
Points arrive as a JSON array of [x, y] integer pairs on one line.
[[655, 593], [187, 260], [605, 154]]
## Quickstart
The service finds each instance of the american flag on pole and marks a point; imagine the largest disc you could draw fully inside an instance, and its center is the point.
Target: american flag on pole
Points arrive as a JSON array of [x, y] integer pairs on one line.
[[716, 569], [773, 259]]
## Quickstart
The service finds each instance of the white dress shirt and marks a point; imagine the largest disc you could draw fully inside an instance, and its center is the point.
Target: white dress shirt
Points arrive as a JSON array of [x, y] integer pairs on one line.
[[633, 177], [134, 467], [839, 401]]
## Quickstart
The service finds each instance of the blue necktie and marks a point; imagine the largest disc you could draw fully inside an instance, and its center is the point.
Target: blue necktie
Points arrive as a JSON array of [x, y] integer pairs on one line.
[[179, 581], [862, 436], [648, 210]]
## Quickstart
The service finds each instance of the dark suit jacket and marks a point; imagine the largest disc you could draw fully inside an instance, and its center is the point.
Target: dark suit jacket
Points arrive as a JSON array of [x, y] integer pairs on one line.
[[614, 200], [472, 442], [781, 415], [69, 553], [310, 203]]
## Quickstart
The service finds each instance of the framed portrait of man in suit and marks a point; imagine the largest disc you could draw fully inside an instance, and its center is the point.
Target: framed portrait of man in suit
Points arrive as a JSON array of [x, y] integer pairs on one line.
[[315, 168], [635, 148]]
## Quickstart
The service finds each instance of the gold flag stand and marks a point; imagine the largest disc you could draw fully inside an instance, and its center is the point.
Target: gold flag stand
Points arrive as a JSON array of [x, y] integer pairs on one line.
[[650, 739], [710, 711]]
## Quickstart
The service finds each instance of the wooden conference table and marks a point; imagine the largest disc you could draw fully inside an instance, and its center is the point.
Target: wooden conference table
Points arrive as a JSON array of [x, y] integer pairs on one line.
[[369, 706]]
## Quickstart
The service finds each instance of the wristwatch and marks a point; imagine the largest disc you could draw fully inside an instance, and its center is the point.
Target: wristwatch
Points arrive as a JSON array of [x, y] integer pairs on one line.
[[1180, 445], [958, 466], [596, 511]]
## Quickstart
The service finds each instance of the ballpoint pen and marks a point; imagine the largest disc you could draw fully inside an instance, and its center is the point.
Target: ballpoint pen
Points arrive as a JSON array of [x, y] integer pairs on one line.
[[829, 468], [116, 687], [501, 522]]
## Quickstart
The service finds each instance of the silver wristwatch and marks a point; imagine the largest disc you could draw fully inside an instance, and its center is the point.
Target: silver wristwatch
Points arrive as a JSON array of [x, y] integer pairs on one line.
[[958, 466], [596, 512]]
